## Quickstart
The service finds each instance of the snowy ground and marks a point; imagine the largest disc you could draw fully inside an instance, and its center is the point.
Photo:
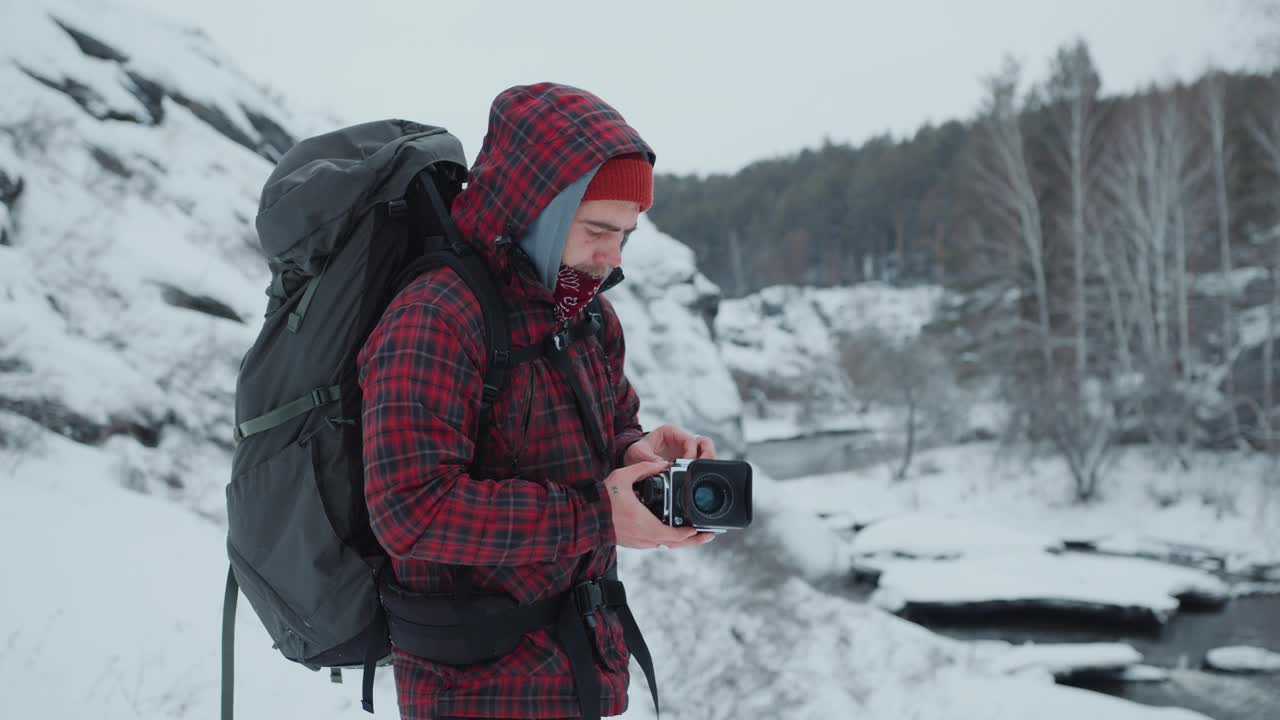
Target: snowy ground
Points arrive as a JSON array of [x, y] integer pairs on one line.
[[122, 621], [1227, 503]]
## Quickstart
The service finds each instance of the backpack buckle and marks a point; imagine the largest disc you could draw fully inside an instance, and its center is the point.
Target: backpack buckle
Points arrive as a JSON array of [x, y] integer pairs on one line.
[[588, 597], [560, 341], [489, 394]]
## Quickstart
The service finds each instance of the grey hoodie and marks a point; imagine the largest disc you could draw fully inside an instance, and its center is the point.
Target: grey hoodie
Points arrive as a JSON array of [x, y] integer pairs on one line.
[[545, 239]]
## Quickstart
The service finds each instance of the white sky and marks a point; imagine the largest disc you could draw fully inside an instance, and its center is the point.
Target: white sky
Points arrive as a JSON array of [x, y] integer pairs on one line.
[[711, 85]]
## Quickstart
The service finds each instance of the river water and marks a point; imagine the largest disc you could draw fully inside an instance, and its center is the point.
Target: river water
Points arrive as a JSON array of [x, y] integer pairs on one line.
[[1179, 646]]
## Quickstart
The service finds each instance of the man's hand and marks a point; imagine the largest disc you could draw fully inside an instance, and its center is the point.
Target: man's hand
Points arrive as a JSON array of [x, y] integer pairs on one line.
[[634, 524], [669, 443]]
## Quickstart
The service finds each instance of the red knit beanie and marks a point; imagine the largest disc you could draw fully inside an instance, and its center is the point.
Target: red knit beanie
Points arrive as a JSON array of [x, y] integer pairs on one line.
[[626, 177]]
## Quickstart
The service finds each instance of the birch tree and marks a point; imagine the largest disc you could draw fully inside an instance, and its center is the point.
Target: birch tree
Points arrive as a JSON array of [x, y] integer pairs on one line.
[[1073, 90], [1007, 187], [1266, 133], [1150, 180], [1213, 96]]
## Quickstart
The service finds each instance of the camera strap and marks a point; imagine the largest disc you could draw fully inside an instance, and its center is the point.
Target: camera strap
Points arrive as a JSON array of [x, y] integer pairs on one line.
[[556, 350]]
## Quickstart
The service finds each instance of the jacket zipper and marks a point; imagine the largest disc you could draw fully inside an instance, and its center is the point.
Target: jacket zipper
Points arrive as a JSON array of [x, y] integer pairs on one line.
[[523, 439]]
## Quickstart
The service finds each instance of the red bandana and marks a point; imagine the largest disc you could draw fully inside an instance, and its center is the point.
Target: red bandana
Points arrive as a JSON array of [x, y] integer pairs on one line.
[[574, 289]]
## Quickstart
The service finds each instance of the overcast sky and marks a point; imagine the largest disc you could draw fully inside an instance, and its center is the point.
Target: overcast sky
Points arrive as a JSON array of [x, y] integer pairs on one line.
[[711, 85]]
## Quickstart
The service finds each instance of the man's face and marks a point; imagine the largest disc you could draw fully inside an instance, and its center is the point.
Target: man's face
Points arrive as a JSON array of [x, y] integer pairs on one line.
[[599, 229]]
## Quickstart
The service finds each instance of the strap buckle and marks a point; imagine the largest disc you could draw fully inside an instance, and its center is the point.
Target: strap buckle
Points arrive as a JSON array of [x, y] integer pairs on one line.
[[560, 341], [588, 597], [319, 396], [489, 394]]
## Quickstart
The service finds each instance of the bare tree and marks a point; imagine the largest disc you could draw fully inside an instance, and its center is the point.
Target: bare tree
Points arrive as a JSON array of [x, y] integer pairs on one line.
[[1070, 410], [1007, 187], [910, 376], [1266, 133], [1072, 90], [1150, 180], [1220, 152]]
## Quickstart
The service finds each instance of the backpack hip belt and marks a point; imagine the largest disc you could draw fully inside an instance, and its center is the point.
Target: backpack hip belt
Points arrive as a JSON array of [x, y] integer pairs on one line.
[[461, 628]]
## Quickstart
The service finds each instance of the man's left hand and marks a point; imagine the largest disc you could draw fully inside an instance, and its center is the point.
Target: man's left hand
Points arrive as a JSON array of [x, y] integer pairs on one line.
[[669, 443]]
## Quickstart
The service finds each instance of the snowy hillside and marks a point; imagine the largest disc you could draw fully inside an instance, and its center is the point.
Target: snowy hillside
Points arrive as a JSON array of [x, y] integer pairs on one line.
[[131, 155], [132, 281]]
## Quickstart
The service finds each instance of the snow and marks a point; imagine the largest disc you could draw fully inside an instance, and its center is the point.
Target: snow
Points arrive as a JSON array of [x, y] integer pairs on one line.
[[122, 608], [1143, 674], [671, 358], [1067, 658], [781, 343], [1254, 326], [1234, 283], [132, 629], [1223, 503], [941, 537], [785, 420], [1063, 580], [1243, 659]]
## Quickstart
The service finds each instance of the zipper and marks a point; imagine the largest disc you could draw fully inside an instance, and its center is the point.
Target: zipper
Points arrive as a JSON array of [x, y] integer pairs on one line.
[[292, 618], [524, 432]]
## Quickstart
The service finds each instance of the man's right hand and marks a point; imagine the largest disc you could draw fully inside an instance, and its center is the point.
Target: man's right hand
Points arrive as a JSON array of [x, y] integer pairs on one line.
[[634, 524]]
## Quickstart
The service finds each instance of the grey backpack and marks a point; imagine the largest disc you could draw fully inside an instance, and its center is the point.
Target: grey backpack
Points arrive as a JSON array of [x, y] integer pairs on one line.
[[345, 220]]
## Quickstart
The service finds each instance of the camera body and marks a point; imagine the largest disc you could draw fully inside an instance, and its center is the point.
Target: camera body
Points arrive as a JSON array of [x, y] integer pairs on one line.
[[707, 495]]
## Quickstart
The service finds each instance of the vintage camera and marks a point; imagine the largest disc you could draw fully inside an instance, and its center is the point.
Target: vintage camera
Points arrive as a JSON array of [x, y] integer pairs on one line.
[[707, 495]]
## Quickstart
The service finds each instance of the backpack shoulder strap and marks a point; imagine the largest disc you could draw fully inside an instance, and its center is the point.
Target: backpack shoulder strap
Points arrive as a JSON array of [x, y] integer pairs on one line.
[[469, 266]]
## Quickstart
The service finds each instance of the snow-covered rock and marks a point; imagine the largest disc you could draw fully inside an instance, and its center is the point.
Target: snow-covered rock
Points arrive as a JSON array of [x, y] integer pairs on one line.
[[1066, 659], [1124, 588], [781, 344], [665, 306], [1243, 659]]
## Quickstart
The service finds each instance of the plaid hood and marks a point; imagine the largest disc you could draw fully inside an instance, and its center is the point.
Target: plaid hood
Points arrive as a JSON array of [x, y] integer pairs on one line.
[[541, 139]]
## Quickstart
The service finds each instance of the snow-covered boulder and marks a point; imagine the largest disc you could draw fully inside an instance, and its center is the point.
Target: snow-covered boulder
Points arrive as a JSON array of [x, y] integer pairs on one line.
[[1243, 659], [1066, 659], [782, 345], [666, 306]]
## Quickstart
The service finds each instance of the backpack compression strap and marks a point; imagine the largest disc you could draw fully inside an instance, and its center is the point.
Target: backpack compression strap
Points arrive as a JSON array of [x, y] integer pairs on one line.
[[228, 644]]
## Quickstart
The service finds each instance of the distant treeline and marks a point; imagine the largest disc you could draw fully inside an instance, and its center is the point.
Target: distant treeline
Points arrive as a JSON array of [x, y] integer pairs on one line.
[[1115, 259], [907, 211]]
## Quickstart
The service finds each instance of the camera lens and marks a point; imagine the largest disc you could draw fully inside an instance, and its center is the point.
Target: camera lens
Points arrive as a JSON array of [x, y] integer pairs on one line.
[[711, 495]]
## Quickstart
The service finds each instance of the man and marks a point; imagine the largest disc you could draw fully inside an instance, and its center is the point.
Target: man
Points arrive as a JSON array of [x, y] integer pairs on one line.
[[537, 503]]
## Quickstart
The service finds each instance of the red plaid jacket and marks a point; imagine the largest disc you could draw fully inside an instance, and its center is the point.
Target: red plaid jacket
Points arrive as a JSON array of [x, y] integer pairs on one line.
[[438, 495]]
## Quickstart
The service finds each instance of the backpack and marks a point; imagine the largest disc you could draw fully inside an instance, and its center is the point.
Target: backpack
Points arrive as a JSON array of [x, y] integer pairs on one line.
[[347, 220], [298, 540]]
